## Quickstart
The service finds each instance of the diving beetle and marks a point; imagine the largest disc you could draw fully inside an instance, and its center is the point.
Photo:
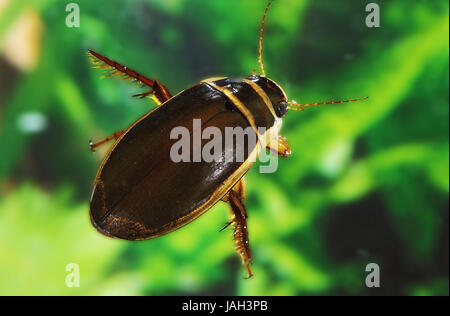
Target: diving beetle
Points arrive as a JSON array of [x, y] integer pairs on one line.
[[140, 193]]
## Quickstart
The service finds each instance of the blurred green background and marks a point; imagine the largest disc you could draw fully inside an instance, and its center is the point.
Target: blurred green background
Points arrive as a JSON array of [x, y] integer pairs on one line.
[[367, 181]]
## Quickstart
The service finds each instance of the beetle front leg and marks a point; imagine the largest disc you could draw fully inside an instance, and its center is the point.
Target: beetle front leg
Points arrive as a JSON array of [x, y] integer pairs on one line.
[[240, 231], [280, 146], [116, 135]]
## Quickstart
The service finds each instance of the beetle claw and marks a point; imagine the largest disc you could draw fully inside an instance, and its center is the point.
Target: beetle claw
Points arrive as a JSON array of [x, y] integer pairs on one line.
[[143, 95], [91, 146], [228, 224]]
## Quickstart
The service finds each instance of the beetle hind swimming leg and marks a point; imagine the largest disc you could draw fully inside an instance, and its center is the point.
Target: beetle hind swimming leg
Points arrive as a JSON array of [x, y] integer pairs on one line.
[[112, 68], [240, 231]]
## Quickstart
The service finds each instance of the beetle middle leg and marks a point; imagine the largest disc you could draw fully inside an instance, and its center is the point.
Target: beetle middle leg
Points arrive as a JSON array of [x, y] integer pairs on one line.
[[116, 135], [240, 189], [236, 199], [280, 146]]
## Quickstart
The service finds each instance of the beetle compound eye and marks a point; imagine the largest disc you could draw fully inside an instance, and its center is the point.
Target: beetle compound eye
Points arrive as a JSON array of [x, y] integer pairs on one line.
[[281, 108]]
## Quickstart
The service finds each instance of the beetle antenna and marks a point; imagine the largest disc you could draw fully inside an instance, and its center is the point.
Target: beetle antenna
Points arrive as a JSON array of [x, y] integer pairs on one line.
[[261, 38], [292, 105]]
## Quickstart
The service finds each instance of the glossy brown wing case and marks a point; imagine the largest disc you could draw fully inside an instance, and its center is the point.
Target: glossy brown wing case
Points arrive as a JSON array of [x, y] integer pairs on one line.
[[140, 193]]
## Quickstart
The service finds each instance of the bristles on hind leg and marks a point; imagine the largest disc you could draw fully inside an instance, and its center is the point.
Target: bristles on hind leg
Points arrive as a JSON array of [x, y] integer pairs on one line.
[[240, 237], [112, 68], [239, 225]]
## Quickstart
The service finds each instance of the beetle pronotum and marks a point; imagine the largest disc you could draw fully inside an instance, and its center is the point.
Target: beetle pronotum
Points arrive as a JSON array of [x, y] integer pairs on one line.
[[140, 193]]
